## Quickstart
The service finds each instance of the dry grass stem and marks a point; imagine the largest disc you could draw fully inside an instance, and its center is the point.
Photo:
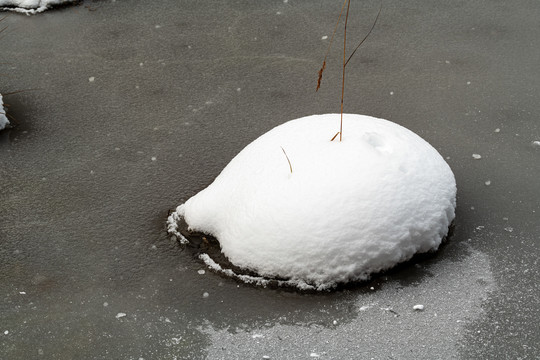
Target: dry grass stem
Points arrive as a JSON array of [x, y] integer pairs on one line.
[[345, 59], [329, 46], [288, 160]]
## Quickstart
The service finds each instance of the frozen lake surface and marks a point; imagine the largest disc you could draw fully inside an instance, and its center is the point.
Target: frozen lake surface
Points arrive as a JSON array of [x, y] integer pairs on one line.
[[134, 106]]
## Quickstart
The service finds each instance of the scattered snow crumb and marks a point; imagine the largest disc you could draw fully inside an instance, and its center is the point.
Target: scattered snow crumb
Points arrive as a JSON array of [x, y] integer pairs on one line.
[[201, 272], [285, 1], [536, 144], [391, 93], [105, 304], [418, 307], [205, 295], [488, 183], [509, 229], [446, 61], [154, 158], [6, 332], [278, 13], [141, 64], [256, 336], [334, 322], [314, 354], [154, 247], [476, 156], [121, 315], [497, 130], [22, 292], [324, 37], [266, 357], [157, 26], [91, 79], [372, 288], [238, 89], [468, 83]]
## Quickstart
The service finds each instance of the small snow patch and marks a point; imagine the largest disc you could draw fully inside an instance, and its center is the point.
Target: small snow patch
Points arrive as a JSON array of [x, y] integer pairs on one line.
[[205, 295], [257, 336], [314, 355], [91, 79], [536, 144], [324, 37], [201, 272], [476, 156], [418, 307], [121, 315], [6, 332], [488, 183]]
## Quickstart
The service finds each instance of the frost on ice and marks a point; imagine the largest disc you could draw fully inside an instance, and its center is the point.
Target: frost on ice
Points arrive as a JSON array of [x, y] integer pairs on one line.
[[3, 119], [294, 205], [31, 6]]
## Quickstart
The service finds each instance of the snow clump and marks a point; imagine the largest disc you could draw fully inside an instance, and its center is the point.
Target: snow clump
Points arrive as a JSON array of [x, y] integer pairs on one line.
[[295, 205], [3, 119], [31, 7]]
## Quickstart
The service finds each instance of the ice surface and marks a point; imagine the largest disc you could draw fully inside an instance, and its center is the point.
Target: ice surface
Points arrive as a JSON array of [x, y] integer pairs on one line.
[[455, 297], [347, 210], [3, 119], [30, 6]]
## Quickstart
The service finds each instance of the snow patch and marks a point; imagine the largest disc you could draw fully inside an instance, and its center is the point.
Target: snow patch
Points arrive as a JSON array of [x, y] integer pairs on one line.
[[30, 7], [4, 122], [349, 209]]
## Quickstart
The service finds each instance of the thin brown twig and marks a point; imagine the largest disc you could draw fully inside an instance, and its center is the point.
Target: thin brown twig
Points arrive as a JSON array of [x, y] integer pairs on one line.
[[290, 165], [343, 77], [329, 46], [369, 33]]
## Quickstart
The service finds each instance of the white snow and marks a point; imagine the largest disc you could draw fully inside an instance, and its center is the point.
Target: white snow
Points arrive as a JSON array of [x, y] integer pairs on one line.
[[418, 307], [121, 315], [476, 156], [30, 7], [3, 119], [348, 209]]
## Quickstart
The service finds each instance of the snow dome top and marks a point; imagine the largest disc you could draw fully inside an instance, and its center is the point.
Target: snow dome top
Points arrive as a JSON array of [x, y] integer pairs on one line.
[[297, 206]]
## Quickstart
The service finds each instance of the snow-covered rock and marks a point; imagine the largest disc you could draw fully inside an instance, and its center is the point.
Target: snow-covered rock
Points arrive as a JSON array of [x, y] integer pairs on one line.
[[3, 118], [346, 210], [31, 6]]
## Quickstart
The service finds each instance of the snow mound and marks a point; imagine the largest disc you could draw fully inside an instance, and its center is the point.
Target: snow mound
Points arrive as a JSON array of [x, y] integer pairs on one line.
[[3, 119], [31, 7], [346, 210]]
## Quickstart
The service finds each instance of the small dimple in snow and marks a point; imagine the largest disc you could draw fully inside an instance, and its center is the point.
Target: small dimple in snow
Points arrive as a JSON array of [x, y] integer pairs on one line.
[[377, 141]]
